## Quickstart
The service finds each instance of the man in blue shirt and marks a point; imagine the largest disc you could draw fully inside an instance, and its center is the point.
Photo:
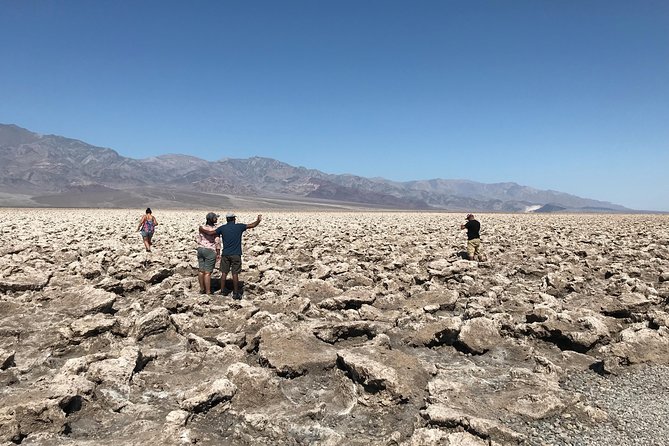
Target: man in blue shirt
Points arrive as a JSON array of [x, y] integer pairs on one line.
[[231, 257]]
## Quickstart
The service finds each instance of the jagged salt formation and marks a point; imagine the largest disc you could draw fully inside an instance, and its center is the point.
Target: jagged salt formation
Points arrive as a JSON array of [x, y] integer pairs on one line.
[[353, 329]]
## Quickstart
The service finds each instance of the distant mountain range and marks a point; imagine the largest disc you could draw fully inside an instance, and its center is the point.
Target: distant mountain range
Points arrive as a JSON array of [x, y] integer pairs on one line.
[[50, 170]]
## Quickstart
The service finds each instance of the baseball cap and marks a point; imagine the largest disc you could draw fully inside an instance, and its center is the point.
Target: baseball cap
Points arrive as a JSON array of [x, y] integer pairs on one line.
[[469, 216], [230, 215], [212, 215]]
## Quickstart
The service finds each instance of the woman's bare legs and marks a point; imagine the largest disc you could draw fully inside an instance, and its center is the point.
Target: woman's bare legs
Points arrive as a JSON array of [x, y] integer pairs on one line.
[[200, 279], [207, 283], [204, 278]]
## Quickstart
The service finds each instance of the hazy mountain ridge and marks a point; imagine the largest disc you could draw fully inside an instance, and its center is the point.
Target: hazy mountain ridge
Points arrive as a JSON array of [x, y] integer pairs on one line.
[[55, 170]]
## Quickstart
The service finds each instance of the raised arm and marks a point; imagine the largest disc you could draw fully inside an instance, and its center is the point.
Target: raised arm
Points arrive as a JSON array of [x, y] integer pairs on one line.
[[255, 223]]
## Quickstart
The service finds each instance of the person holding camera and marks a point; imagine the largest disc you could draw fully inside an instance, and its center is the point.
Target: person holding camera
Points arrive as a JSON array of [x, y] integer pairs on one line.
[[473, 228]]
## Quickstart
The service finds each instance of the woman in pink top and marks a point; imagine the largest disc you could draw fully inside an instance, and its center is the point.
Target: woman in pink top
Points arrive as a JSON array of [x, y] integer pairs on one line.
[[208, 253]]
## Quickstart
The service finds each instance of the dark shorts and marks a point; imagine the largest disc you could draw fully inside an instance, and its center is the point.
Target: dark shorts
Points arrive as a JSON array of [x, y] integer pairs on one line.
[[206, 259], [231, 263], [145, 234]]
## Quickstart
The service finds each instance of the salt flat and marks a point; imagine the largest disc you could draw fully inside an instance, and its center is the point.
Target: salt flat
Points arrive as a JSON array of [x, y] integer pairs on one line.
[[354, 328]]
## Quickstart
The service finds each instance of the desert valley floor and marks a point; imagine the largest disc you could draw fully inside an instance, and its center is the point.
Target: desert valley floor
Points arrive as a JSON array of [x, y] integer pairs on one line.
[[353, 329]]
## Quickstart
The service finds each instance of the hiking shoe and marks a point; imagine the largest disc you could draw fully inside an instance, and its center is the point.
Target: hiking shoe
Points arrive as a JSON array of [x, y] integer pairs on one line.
[[237, 296], [225, 292]]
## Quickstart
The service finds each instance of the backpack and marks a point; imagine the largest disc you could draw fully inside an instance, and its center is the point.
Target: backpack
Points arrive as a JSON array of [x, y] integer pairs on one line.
[[148, 226]]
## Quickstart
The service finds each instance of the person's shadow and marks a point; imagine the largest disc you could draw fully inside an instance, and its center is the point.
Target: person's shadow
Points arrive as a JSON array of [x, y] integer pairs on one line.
[[216, 286]]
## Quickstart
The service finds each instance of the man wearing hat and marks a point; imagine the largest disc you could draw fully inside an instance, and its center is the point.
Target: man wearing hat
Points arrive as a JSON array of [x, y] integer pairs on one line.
[[473, 228], [231, 259]]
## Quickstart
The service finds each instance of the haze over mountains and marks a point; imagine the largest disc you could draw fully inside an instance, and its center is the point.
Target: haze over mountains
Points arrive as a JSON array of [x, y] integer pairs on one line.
[[50, 170]]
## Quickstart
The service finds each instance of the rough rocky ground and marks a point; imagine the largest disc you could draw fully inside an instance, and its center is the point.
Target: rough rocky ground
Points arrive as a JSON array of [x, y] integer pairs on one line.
[[354, 329]]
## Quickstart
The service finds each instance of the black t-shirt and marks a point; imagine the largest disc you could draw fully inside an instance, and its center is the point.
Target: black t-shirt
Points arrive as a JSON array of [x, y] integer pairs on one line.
[[473, 228]]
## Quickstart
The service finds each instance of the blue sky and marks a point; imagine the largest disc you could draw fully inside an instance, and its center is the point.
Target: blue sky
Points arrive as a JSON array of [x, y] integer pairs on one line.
[[570, 95]]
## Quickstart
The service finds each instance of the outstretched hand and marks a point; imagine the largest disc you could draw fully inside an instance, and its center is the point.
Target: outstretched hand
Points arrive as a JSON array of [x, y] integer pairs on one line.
[[255, 223]]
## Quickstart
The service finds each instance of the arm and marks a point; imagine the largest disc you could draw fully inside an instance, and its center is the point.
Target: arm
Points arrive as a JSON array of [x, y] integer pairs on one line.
[[155, 222], [255, 223], [204, 230], [141, 222]]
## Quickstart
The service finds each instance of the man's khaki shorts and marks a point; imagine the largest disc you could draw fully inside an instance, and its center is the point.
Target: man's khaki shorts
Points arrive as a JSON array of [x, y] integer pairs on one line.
[[473, 248], [231, 263]]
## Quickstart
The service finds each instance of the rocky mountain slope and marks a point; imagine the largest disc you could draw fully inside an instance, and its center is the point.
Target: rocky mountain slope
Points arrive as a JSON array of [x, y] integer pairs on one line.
[[52, 170]]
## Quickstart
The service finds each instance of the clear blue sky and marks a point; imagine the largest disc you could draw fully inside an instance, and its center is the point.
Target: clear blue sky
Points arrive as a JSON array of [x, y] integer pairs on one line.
[[564, 95]]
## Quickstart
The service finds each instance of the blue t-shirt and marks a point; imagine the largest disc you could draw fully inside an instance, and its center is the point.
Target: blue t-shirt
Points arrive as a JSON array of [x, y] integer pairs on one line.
[[231, 234]]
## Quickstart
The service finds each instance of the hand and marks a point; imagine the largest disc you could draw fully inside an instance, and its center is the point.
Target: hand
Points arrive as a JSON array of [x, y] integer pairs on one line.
[[259, 217]]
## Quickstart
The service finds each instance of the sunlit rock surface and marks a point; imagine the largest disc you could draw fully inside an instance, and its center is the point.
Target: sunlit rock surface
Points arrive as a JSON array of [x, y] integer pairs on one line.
[[353, 328]]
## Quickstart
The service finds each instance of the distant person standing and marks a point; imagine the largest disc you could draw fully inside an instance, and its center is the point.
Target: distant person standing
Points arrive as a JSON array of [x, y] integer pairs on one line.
[[147, 226], [473, 228], [208, 253], [231, 259]]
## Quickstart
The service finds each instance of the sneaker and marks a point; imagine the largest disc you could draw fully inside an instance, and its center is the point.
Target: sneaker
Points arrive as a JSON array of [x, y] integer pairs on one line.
[[237, 295], [225, 291]]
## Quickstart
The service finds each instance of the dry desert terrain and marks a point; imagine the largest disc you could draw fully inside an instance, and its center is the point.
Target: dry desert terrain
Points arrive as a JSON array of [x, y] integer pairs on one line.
[[353, 329]]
